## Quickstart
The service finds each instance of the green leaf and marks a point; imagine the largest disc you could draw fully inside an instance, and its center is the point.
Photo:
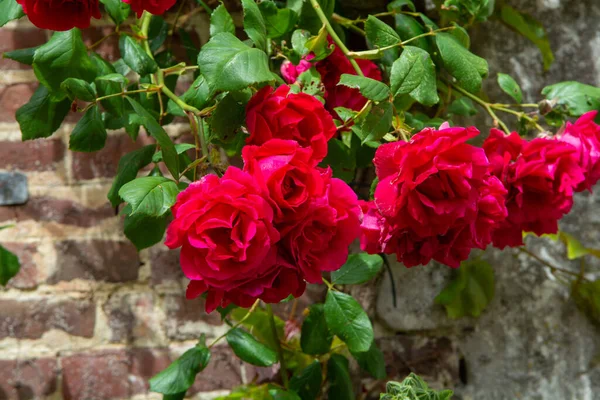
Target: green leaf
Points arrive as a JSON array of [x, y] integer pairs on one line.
[[309, 19], [178, 396], [370, 88], [466, 67], [250, 350], [397, 5], [510, 87], [280, 394], [532, 29], [258, 324], [228, 64], [128, 168], [587, 298], [338, 374], [78, 89], [376, 124], [380, 34], [341, 159], [198, 95], [227, 118], [575, 249], [413, 388], [299, 39], [118, 10], [578, 98], [408, 27], [135, 57], [470, 291], [63, 56], [359, 268], [462, 106], [24, 56], [166, 144], [307, 383], [278, 21], [346, 319], [414, 74], [372, 361], [180, 375], [157, 34], [179, 148], [104, 87], [9, 266], [150, 195], [254, 24], [9, 10], [144, 231], [42, 115], [221, 21], [315, 337], [89, 134]]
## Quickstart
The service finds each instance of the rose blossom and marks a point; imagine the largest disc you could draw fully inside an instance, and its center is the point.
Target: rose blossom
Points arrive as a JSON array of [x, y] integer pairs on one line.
[[331, 70], [584, 135], [60, 15], [228, 242], [287, 172], [290, 72], [319, 240], [435, 199], [156, 7], [540, 183], [284, 115]]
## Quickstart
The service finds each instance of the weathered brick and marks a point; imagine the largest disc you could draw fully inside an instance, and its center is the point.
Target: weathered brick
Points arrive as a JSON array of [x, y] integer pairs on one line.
[[100, 260], [12, 97], [108, 48], [165, 266], [33, 155], [28, 379], [133, 316], [29, 319], [63, 211], [29, 275], [182, 314], [22, 38], [103, 163]]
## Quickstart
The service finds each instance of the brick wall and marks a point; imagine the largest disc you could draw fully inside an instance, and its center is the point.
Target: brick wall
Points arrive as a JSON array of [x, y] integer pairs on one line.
[[87, 317]]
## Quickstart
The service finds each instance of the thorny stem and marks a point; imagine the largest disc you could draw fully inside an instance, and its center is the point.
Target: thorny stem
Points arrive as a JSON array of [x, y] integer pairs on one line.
[[357, 116], [348, 23], [334, 35], [553, 268], [194, 126], [282, 365], [241, 321]]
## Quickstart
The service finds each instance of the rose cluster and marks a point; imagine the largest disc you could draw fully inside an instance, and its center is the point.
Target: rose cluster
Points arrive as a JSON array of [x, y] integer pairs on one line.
[[264, 231], [65, 15], [439, 197]]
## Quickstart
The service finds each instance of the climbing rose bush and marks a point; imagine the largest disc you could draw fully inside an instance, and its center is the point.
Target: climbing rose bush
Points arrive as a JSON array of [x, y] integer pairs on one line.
[[313, 149]]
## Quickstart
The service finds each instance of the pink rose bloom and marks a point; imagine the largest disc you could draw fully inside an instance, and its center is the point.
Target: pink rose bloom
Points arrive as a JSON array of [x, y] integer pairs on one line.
[[291, 72]]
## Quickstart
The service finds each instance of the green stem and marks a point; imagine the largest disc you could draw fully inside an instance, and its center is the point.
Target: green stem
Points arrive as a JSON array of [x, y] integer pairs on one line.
[[145, 27], [241, 321], [334, 35], [282, 365], [520, 115], [328, 284], [485, 105], [206, 7], [348, 23], [547, 264], [177, 100]]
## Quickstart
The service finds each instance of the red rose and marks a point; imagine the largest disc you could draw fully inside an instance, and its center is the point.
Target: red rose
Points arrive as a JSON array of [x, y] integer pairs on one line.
[[60, 15], [156, 7], [228, 242], [287, 172], [284, 115], [373, 228], [319, 240], [584, 135], [540, 183], [331, 69], [435, 199]]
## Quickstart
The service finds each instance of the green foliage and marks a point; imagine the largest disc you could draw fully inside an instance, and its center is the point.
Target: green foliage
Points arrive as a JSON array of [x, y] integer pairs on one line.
[[466, 67], [414, 74], [470, 291], [129, 165], [250, 350], [221, 21], [278, 21], [9, 11], [375, 124], [359, 268], [371, 361], [577, 98], [143, 230], [370, 88], [78, 89], [89, 134], [380, 34], [315, 336], [150, 195], [338, 374], [510, 87], [9, 265], [347, 320], [413, 388], [180, 375], [469, 10], [24, 56], [42, 115], [136, 57], [587, 298], [117, 10], [307, 383], [254, 24]]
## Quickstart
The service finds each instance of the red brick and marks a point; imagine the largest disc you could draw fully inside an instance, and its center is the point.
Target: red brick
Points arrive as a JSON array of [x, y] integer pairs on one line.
[[181, 312], [108, 48], [165, 266], [28, 276], [12, 97], [29, 319], [103, 163], [32, 155], [131, 316], [47, 209], [101, 260], [28, 379], [22, 38]]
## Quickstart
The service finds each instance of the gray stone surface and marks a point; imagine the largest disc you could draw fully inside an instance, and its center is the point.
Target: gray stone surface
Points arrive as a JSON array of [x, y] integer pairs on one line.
[[13, 188]]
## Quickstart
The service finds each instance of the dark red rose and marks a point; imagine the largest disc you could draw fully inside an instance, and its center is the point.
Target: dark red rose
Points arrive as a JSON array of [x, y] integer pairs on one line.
[[288, 174], [228, 242], [540, 183], [61, 15], [280, 114], [319, 240], [584, 135], [435, 199], [156, 7], [331, 69]]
